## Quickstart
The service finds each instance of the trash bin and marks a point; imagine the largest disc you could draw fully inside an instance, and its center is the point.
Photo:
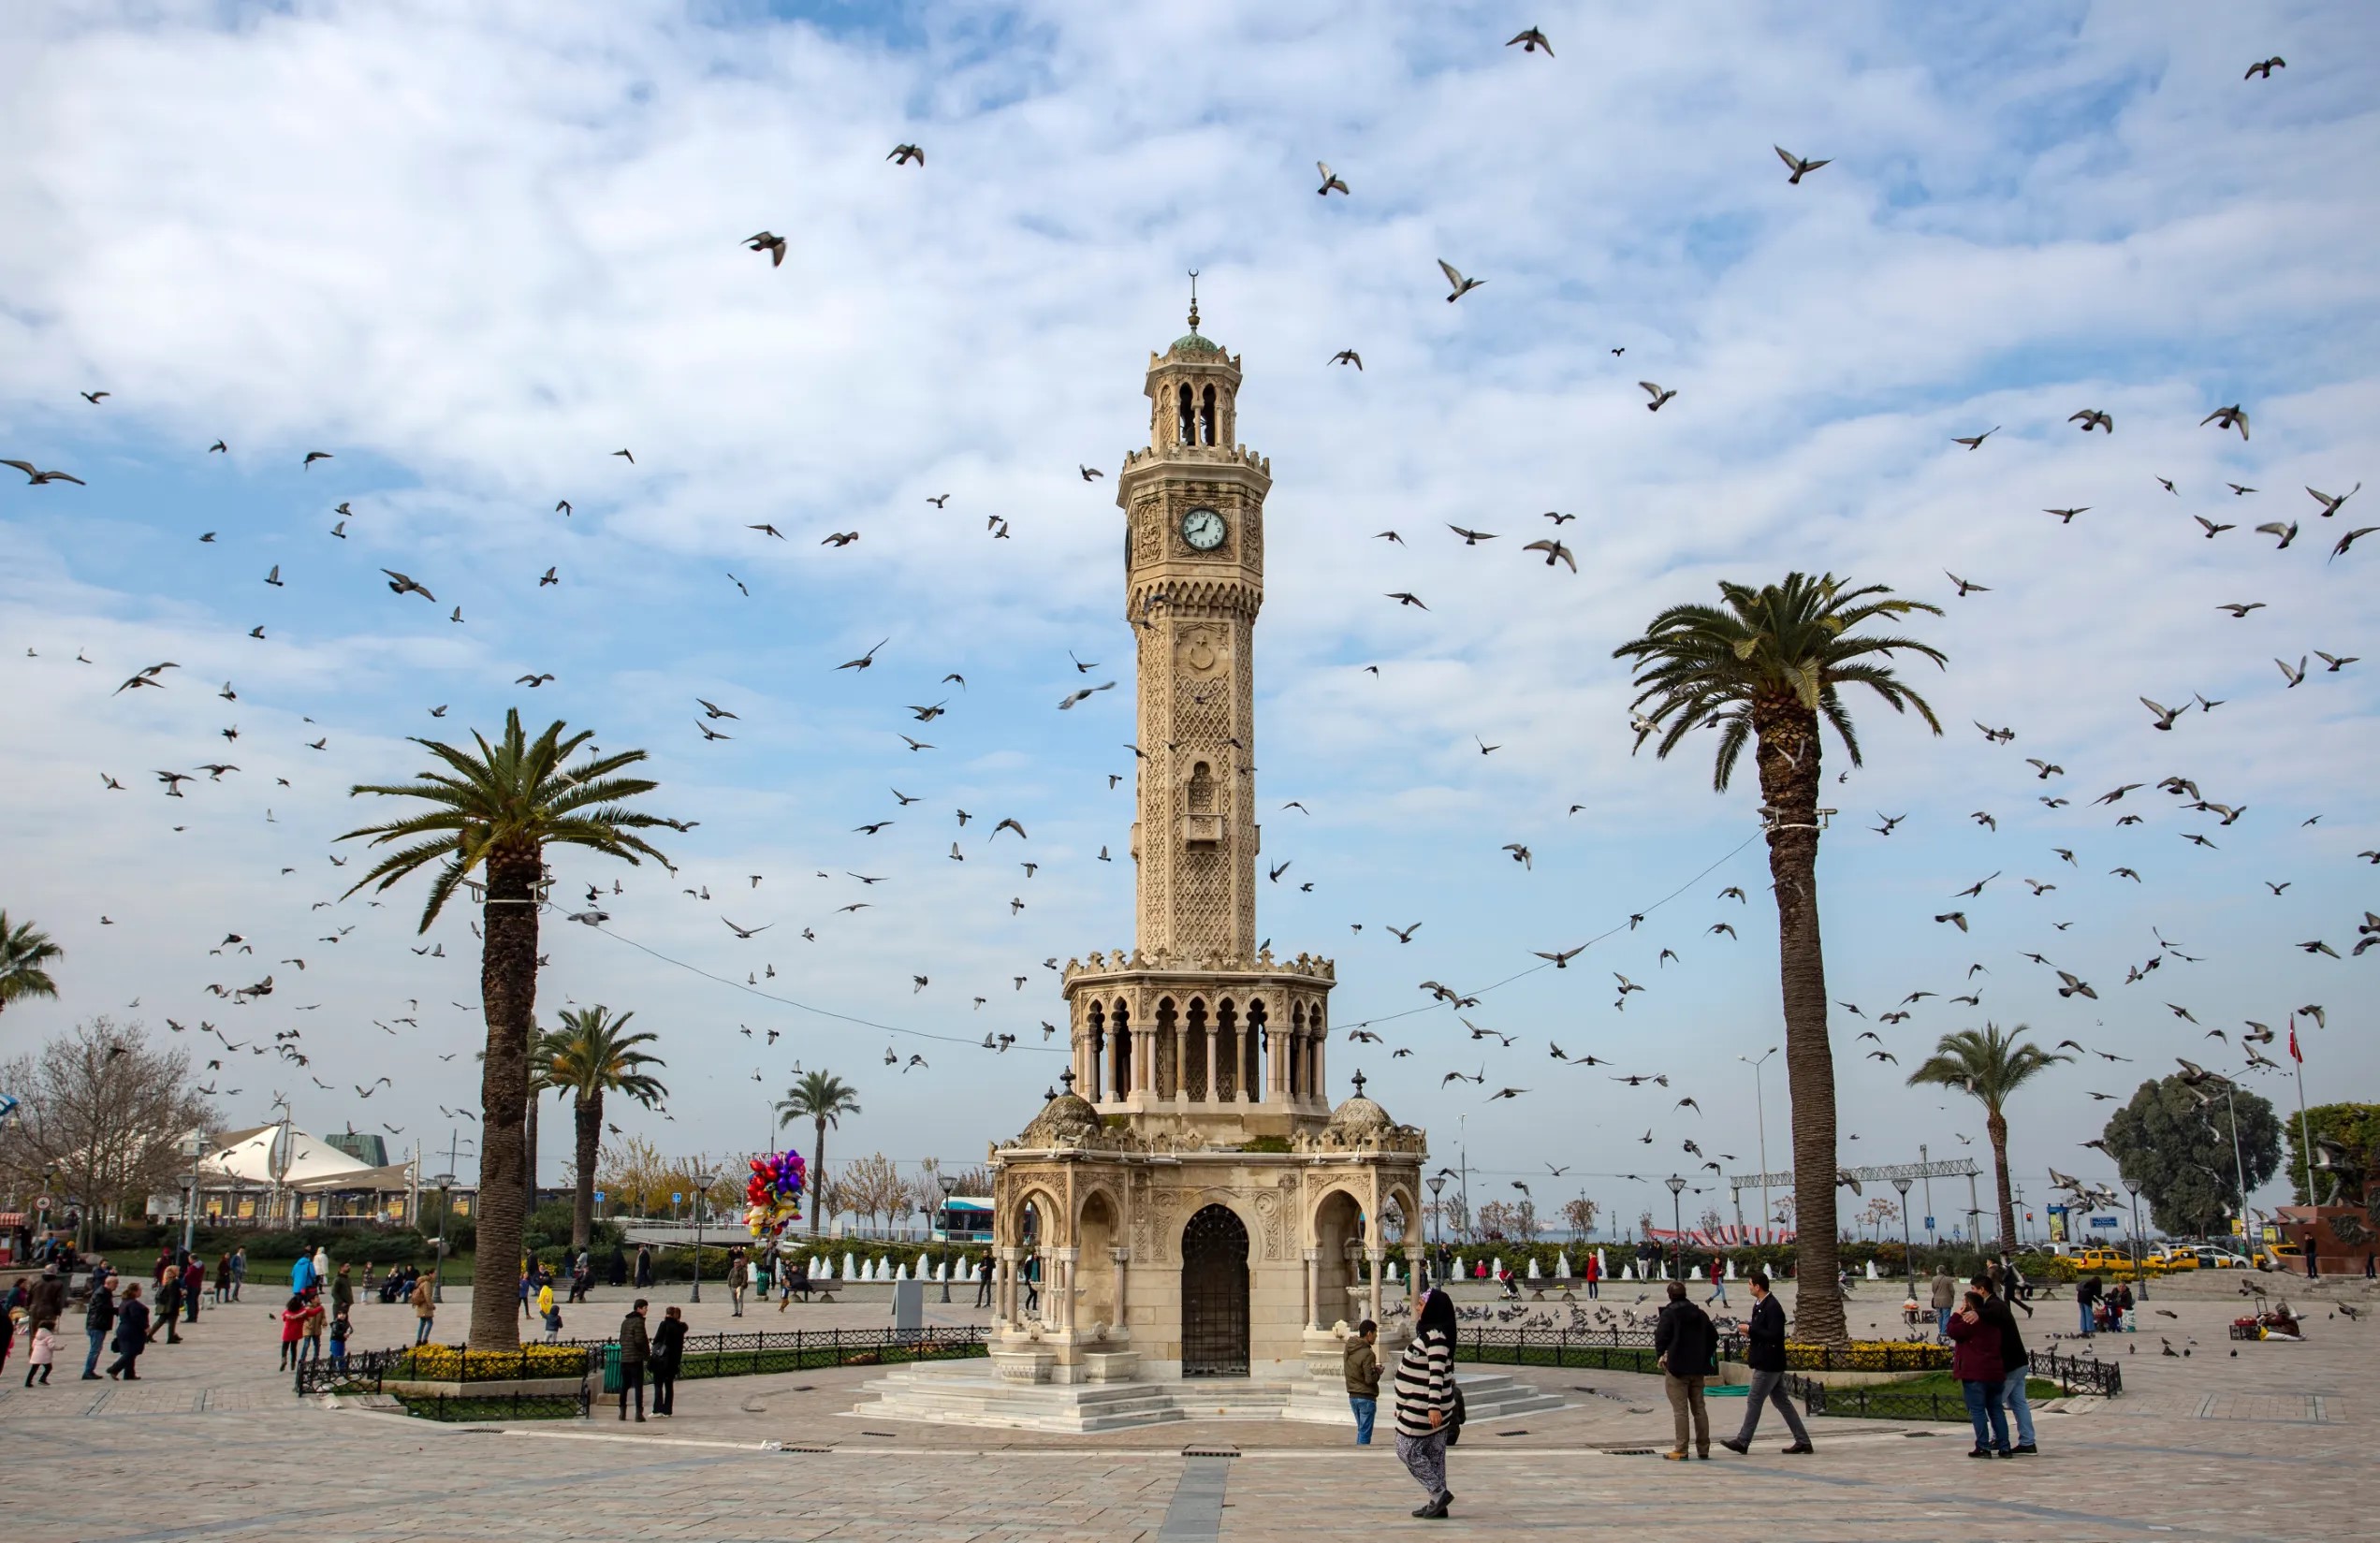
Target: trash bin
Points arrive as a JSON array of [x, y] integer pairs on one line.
[[611, 1369]]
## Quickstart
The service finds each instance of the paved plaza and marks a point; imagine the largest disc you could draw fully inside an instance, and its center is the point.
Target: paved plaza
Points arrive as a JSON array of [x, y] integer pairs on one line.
[[2271, 1444]]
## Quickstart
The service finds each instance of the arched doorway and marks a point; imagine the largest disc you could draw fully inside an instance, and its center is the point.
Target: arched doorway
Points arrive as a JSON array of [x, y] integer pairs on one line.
[[1215, 1295]]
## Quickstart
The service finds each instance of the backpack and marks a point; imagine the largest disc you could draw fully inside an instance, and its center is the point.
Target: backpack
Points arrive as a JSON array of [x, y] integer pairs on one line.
[[1454, 1418]]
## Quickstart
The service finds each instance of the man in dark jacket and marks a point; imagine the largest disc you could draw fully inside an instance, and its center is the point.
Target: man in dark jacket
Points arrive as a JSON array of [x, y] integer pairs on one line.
[[49, 1301], [1764, 1337], [2086, 1298], [2015, 1364], [96, 1320], [132, 1335], [1686, 1349], [635, 1349]]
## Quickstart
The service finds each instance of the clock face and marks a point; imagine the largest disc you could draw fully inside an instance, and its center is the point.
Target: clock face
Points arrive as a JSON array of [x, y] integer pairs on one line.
[[1202, 528]]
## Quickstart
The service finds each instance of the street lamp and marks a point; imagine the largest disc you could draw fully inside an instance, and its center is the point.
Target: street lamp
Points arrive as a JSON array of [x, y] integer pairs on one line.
[[1437, 1183], [1677, 1242], [193, 1148], [438, 1266], [702, 1192], [1909, 1261], [1761, 1113], [950, 1187]]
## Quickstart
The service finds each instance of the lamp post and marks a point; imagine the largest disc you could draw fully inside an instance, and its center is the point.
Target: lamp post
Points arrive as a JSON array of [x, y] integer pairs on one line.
[[1677, 1242], [950, 1187], [2231, 1111], [1909, 1259], [2138, 1279], [438, 1266], [702, 1193], [195, 1147], [1437, 1183], [1761, 1113]]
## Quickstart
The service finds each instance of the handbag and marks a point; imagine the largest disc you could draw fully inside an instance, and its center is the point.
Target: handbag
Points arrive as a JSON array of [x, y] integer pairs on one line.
[[1454, 1418]]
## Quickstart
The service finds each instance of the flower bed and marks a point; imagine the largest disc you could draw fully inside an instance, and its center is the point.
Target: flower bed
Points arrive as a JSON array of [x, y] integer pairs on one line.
[[454, 1363], [1868, 1355]]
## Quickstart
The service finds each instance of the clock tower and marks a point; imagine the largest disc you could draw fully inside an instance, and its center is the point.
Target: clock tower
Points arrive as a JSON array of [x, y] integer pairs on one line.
[[1193, 506]]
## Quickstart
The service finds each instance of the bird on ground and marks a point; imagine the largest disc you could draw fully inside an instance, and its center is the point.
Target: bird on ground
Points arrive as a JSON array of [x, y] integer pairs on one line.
[[1658, 394], [2227, 417], [1460, 284], [2091, 417], [1332, 182], [1976, 442], [1799, 167]]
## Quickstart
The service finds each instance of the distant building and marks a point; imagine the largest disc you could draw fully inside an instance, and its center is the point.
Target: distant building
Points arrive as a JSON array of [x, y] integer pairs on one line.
[[369, 1150]]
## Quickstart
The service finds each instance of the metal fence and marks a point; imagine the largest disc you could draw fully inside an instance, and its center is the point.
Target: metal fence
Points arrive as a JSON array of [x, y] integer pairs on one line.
[[703, 1356], [461, 1407], [1887, 1401], [1632, 1350]]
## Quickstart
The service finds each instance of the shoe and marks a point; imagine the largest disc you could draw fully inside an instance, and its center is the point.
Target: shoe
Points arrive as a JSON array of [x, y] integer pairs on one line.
[[2003, 1451], [1705, 1455], [112, 1375], [2028, 1450], [1741, 1449], [641, 1419], [1428, 1511], [1678, 1457], [90, 1377], [1980, 1451], [1800, 1448]]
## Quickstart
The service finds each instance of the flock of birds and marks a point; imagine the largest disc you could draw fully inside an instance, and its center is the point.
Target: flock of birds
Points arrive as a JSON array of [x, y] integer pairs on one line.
[[2064, 870]]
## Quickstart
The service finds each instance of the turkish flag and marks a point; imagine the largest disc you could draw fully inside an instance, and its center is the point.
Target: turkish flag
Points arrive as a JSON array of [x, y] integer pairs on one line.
[[2293, 1052]]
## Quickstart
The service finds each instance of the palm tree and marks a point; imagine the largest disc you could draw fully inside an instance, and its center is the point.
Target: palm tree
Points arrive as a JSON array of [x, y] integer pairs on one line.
[[24, 949], [589, 1056], [498, 809], [822, 1098], [1765, 668], [1988, 1066]]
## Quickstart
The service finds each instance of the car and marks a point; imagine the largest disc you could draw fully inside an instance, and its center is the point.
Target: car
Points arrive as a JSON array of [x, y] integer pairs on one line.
[[2213, 1257], [2180, 1257]]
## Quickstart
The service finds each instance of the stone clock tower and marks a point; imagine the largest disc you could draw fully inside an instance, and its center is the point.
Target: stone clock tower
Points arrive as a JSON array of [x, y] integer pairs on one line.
[[1193, 507]]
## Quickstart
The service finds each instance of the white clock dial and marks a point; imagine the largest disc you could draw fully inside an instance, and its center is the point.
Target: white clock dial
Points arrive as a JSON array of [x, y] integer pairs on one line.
[[1202, 528]]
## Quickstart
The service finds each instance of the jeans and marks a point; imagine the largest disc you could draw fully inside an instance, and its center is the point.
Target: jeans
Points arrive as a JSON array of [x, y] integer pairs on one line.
[[1592, 1283], [91, 1362], [1768, 1387], [2084, 1308], [1941, 1323], [2019, 1409], [1718, 1293], [1685, 1401], [1424, 1458], [1366, 1410], [421, 1330], [309, 1348], [1983, 1400]]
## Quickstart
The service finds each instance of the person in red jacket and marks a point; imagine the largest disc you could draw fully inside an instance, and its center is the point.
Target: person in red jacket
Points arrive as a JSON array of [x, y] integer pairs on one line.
[[293, 1328], [1975, 1361], [1594, 1276]]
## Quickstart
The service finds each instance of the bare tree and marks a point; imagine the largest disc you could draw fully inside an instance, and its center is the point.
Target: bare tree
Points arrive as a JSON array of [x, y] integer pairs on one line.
[[106, 1112], [872, 1187], [1579, 1214]]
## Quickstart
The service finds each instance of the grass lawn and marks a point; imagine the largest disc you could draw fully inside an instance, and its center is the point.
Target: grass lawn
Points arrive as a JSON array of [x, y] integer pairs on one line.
[[2036, 1388]]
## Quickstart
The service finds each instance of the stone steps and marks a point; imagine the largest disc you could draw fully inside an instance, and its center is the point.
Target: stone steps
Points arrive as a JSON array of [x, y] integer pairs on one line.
[[961, 1394]]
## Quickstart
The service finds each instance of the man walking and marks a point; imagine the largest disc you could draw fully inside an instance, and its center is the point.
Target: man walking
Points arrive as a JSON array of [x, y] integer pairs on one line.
[[635, 1348], [1765, 1352], [1685, 1349], [984, 1281], [343, 1294], [1363, 1379], [740, 1278], [238, 1270], [96, 1320], [425, 1309], [132, 1335], [1718, 1282], [1945, 1297], [194, 1286]]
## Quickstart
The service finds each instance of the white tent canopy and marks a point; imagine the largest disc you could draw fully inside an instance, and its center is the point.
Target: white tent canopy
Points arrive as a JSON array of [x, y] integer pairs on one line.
[[247, 1156]]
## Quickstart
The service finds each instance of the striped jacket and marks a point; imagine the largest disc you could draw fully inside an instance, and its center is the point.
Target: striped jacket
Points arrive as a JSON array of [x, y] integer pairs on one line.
[[1424, 1381]]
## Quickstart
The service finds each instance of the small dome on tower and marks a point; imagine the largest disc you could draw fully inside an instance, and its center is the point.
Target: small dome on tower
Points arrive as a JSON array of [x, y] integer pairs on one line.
[[1359, 1115], [1067, 1120], [1191, 346]]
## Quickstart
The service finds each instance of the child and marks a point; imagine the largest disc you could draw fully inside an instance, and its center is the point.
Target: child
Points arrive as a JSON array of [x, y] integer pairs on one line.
[[44, 1350], [1909, 1311], [339, 1330], [293, 1329], [313, 1322], [554, 1318]]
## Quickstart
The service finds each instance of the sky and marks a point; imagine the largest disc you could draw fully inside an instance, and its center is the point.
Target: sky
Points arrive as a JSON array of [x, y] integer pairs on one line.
[[470, 253]]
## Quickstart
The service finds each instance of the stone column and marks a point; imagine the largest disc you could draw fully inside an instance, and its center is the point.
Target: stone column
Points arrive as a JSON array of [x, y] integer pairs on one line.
[[1277, 1064], [1207, 1048], [1061, 1288], [1322, 1072], [1121, 1259], [1414, 1254], [1379, 1260], [1004, 1297], [1313, 1287], [1144, 1059]]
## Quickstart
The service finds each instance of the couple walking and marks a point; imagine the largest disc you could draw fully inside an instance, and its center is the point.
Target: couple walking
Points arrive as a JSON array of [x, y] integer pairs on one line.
[[1686, 1347]]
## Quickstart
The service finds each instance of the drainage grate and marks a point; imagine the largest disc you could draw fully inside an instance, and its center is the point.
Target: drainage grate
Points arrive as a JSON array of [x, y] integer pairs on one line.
[[1210, 1451], [1627, 1451], [1523, 1431]]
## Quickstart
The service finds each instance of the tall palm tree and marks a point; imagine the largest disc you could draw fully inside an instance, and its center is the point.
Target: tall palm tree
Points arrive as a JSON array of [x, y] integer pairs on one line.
[[590, 1055], [24, 951], [1765, 667], [497, 809], [822, 1098], [1988, 1066]]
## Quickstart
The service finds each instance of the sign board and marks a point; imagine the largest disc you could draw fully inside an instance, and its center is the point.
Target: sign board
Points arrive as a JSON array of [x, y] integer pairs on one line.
[[1929, 1224], [2103, 1221], [677, 1198], [599, 1197]]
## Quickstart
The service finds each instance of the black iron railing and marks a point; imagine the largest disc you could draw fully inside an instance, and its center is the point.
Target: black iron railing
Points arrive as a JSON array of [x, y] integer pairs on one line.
[[513, 1405], [1632, 1350], [703, 1356], [1891, 1400]]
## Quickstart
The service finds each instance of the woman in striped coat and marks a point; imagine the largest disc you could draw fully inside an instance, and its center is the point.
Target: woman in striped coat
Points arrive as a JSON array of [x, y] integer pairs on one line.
[[1425, 1401]]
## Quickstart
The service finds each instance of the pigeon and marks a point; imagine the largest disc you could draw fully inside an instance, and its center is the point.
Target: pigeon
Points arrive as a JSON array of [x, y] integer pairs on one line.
[[1658, 394], [1461, 286], [2091, 417], [905, 154], [1976, 442], [2263, 69], [399, 584], [770, 242], [1554, 552], [1799, 167], [1532, 39], [1332, 182], [2227, 417]]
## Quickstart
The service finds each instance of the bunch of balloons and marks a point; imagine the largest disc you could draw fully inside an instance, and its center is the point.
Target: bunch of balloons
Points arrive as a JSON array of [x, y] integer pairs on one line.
[[772, 1196]]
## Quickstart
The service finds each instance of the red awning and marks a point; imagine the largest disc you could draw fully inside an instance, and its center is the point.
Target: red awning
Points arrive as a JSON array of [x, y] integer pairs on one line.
[[12, 1218]]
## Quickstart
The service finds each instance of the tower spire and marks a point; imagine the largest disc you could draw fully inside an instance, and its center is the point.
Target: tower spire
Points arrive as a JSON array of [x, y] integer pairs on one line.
[[1194, 314]]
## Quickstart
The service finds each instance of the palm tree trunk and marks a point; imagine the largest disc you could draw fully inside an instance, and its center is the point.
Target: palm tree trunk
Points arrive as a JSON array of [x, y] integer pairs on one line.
[[508, 996], [1788, 763], [529, 1150], [817, 1177], [589, 1112], [1996, 1125]]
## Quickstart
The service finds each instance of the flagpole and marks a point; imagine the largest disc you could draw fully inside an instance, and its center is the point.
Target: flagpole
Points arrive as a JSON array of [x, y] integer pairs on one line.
[[2305, 1150]]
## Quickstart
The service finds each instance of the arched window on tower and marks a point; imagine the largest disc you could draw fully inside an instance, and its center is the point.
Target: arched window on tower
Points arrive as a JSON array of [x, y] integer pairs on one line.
[[1206, 424], [1202, 789], [1095, 1036], [1186, 431]]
